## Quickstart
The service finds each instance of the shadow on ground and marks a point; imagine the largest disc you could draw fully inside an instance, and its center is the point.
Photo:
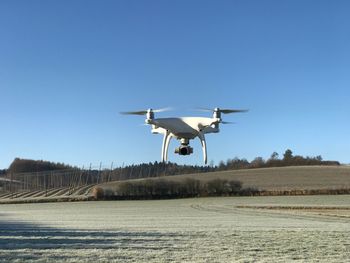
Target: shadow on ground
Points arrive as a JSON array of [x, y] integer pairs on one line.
[[33, 243]]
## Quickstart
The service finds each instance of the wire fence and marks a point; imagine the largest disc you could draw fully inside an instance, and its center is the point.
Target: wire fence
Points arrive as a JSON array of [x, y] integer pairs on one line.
[[68, 178], [79, 177]]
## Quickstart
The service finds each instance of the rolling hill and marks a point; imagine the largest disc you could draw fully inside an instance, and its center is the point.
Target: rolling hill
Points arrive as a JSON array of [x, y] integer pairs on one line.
[[272, 179]]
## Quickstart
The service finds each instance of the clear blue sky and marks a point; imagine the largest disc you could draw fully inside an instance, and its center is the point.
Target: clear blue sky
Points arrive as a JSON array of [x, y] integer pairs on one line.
[[67, 68]]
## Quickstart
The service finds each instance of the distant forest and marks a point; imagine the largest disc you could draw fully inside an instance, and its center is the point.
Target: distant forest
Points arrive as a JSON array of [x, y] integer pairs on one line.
[[274, 161], [25, 165], [160, 169]]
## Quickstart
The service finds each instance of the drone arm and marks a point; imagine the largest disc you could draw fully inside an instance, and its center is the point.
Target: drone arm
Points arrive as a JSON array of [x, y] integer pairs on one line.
[[204, 146]]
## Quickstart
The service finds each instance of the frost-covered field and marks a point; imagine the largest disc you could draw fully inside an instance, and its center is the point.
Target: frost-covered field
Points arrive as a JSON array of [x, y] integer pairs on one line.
[[184, 230]]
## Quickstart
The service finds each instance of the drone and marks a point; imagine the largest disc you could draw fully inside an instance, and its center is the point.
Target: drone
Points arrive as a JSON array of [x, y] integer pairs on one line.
[[184, 129]]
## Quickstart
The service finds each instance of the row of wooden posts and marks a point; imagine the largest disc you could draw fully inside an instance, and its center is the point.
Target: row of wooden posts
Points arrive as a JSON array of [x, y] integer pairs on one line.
[[73, 178], [70, 178]]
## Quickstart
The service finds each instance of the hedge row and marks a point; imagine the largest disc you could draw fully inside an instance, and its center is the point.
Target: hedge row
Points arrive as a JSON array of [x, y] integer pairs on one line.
[[164, 189]]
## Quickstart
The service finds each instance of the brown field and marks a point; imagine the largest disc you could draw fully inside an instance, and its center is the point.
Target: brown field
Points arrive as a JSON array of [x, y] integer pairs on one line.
[[275, 179]]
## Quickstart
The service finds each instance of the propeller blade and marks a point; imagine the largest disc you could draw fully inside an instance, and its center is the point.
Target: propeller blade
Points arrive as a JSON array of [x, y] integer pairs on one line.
[[227, 122], [226, 111], [162, 109], [203, 109], [142, 112]]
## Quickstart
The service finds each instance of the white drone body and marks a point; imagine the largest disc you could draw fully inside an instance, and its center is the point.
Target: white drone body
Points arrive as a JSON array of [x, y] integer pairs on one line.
[[184, 129]]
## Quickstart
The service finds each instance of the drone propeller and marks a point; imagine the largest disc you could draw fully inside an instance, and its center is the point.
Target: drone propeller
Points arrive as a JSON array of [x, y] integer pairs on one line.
[[134, 112], [225, 111], [144, 112], [227, 122]]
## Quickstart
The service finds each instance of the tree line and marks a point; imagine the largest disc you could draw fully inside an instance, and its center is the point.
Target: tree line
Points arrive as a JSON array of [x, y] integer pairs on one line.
[[274, 161], [26, 165], [158, 169]]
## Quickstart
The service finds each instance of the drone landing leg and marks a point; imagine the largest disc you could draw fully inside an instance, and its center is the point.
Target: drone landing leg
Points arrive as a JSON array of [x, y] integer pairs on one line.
[[204, 146], [165, 146]]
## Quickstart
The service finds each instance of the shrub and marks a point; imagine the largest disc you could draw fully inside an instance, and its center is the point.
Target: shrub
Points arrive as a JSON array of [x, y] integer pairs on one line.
[[161, 188], [250, 191], [235, 187], [216, 187], [98, 193]]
